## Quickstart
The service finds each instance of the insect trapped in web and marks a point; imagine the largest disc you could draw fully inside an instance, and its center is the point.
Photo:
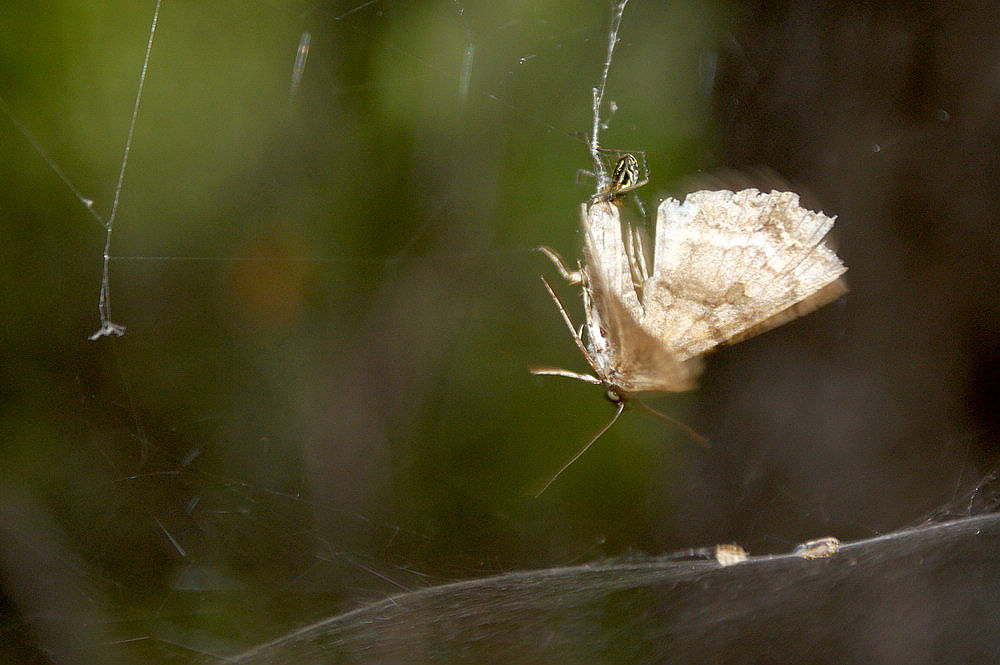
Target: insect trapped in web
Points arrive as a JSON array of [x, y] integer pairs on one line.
[[725, 266]]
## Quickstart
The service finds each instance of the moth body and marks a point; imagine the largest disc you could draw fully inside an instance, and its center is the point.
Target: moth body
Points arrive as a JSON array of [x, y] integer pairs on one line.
[[725, 266]]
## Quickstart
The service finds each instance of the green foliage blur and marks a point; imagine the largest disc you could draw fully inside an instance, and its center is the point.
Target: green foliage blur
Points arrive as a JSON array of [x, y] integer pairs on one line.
[[331, 302]]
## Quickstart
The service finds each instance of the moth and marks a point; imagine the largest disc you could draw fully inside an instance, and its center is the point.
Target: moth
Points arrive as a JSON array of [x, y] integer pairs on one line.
[[725, 266]]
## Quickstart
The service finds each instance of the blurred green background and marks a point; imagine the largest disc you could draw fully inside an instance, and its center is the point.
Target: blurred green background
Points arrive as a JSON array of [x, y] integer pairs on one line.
[[331, 302]]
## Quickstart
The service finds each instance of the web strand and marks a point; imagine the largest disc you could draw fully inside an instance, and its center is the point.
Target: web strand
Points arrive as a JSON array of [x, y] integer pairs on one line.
[[108, 327], [87, 203], [598, 97]]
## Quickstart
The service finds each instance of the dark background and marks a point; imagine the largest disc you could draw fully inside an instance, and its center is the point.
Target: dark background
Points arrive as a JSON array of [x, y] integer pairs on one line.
[[322, 396]]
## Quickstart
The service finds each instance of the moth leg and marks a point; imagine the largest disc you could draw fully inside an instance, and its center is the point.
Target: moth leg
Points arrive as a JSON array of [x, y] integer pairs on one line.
[[555, 371], [571, 276], [636, 252], [569, 324], [695, 436]]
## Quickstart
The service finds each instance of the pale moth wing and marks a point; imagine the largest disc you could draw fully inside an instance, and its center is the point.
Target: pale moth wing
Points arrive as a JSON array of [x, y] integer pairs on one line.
[[730, 265], [628, 356], [726, 266]]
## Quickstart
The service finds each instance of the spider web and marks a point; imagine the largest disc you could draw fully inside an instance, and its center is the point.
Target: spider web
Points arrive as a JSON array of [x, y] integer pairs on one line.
[[316, 221]]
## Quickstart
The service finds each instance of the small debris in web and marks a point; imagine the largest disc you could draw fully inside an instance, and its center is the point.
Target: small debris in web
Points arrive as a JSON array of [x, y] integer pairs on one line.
[[821, 548], [729, 554], [108, 329], [724, 555]]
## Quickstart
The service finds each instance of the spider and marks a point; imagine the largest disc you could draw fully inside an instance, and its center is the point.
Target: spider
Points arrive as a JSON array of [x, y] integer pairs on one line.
[[628, 175]]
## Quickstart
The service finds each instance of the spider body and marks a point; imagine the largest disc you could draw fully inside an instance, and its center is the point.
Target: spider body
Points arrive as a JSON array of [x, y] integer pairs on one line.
[[627, 176]]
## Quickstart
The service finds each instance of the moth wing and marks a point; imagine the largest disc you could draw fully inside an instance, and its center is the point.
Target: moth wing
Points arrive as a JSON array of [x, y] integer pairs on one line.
[[730, 265], [629, 357], [609, 262], [824, 296]]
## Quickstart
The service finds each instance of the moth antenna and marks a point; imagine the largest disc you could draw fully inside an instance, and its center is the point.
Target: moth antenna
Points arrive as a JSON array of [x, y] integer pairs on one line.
[[579, 453], [700, 439]]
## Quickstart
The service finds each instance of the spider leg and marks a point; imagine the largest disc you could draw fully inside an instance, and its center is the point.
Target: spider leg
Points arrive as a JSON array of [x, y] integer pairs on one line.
[[590, 175]]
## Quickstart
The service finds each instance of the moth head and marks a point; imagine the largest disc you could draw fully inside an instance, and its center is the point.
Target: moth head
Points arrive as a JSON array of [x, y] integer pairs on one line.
[[613, 396]]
